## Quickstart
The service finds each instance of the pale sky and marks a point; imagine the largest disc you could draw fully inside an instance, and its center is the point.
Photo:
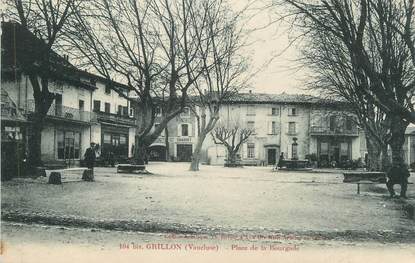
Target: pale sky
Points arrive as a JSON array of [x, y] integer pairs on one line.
[[282, 74]]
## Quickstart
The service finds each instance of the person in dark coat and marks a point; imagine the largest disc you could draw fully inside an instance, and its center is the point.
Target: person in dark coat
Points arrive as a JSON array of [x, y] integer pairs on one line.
[[90, 157], [111, 159], [398, 175], [280, 161]]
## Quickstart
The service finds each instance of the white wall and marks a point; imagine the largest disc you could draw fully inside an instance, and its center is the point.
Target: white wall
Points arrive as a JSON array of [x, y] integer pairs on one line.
[[113, 98]]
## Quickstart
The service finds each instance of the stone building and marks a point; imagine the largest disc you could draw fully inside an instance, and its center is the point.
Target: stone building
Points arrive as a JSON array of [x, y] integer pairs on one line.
[[295, 125], [178, 140], [74, 118]]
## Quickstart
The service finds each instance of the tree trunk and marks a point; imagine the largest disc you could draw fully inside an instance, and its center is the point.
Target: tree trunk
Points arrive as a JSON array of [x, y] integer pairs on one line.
[[35, 142], [140, 151], [398, 173], [398, 127], [374, 154], [166, 141], [194, 166], [386, 162], [231, 158]]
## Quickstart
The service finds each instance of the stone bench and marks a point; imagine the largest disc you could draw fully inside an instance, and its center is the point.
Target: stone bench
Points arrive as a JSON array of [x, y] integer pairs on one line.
[[57, 176], [131, 168], [364, 178]]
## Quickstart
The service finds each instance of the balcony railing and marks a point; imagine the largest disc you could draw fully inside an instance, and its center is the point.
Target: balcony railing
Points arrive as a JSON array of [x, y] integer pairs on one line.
[[65, 113], [115, 118], [320, 130]]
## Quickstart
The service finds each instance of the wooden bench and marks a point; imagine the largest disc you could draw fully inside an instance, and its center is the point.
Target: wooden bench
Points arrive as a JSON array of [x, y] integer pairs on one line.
[[364, 178], [131, 168]]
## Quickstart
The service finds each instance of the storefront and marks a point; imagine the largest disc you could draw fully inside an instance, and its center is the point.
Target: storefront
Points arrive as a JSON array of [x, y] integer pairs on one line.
[[13, 139], [114, 143], [184, 152], [334, 151]]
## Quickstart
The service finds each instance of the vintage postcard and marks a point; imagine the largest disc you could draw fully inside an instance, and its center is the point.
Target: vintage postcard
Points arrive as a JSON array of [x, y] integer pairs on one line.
[[207, 131]]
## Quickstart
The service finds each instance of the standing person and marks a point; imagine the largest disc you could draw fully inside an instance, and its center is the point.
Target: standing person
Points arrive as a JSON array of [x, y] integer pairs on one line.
[[90, 157], [111, 160], [280, 161], [398, 175]]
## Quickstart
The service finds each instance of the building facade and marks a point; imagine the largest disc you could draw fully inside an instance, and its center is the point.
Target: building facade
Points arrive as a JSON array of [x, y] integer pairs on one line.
[[296, 126], [76, 117], [177, 141]]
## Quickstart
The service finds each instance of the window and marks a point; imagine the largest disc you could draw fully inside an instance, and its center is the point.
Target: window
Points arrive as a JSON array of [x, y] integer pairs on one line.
[[292, 111], [273, 127], [274, 111], [107, 89], [332, 123], [324, 148], [344, 149], [107, 138], [119, 112], [251, 125], [97, 105], [81, 105], [185, 130], [158, 111], [58, 104], [251, 150], [291, 128], [186, 112], [68, 144], [131, 112], [107, 107], [251, 110], [125, 110]]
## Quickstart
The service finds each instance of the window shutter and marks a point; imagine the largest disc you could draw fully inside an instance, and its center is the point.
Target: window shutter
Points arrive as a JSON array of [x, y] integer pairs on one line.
[[179, 130], [270, 127], [245, 150]]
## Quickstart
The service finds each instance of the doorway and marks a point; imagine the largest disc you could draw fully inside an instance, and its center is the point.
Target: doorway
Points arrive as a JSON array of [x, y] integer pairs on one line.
[[272, 156], [184, 152]]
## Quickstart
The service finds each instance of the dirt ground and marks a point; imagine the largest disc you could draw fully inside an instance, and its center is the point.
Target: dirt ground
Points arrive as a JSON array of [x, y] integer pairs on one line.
[[294, 216], [226, 198]]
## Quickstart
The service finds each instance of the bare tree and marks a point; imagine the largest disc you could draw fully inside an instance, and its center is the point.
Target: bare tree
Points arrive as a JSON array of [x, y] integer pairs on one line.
[[156, 46], [220, 81], [336, 78], [46, 19], [232, 136], [373, 34]]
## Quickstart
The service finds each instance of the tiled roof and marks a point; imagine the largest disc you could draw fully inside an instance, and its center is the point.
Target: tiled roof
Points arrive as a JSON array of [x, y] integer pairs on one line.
[[282, 98], [20, 47]]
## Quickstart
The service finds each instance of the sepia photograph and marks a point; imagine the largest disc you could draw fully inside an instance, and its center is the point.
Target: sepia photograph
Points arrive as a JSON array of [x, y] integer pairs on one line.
[[207, 131]]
